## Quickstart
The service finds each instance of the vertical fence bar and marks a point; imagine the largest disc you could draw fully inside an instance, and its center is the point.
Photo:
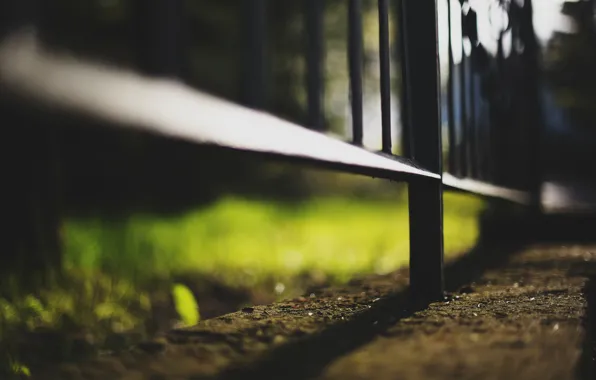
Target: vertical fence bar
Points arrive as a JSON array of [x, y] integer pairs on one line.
[[476, 122], [384, 59], [467, 155], [255, 53], [473, 127], [535, 123], [15, 14], [425, 196], [467, 95], [355, 48], [454, 167], [159, 37], [499, 120], [404, 112], [314, 63]]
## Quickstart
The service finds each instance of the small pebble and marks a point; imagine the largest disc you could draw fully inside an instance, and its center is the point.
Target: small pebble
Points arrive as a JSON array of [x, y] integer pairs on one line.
[[279, 288], [152, 347], [467, 289]]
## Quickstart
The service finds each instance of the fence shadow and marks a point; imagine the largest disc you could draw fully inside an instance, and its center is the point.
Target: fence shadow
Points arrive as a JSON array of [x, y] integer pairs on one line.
[[308, 357], [500, 238], [586, 366]]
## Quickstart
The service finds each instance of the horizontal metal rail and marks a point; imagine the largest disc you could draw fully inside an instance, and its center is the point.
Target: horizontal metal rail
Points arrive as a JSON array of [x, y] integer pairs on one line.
[[172, 109], [486, 189]]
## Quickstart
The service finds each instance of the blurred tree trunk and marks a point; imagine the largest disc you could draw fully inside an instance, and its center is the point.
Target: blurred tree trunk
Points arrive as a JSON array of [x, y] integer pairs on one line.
[[31, 247], [30, 201]]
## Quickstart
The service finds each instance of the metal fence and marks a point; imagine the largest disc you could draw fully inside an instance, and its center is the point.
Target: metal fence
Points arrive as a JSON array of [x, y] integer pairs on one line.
[[492, 101], [170, 108]]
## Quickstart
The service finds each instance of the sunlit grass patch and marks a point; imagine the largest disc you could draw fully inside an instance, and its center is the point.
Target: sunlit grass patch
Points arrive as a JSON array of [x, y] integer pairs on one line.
[[77, 300], [69, 319], [242, 240]]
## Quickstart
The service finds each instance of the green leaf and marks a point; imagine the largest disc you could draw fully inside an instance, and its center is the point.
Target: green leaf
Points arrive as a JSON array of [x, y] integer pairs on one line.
[[8, 312], [185, 304], [20, 369], [107, 310], [34, 304]]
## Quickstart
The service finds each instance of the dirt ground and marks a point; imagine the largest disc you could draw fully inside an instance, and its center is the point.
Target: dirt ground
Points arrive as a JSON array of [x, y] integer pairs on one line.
[[523, 321], [511, 313]]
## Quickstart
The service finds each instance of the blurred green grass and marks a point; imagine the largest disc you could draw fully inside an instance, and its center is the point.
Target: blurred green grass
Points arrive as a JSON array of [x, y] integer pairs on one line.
[[117, 271], [243, 241]]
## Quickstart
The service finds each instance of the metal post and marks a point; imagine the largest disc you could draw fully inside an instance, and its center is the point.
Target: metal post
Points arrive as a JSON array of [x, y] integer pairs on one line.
[[355, 48], [463, 155], [160, 37], [474, 123], [479, 122], [467, 95], [531, 55], [499, 117], [314, 63], [467, 135], [15, 14], [406, 125], [453, 164], [255, 74], [385, 74], [425, 196]]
